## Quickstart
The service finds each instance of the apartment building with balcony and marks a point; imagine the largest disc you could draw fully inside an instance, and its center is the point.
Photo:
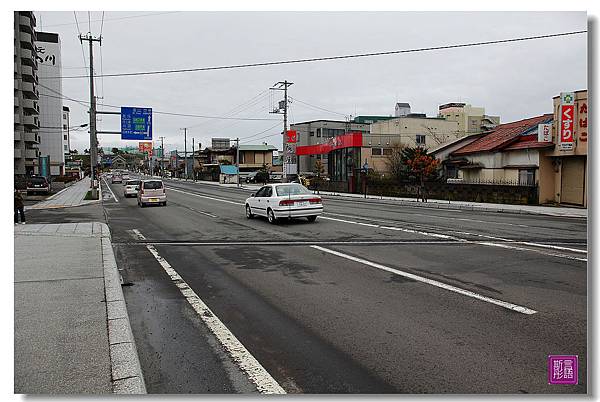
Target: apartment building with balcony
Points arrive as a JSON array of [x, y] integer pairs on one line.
[[26, 94]]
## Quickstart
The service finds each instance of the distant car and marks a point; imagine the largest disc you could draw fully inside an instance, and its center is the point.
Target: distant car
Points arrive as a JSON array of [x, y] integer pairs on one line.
[[125, 176], [38, 184], [131, 188], [285, 200], [251, 177], [117, 179], [151, 192]]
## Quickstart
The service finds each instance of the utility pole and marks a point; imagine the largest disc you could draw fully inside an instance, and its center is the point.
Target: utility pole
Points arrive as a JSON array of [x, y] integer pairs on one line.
[[185, 168], [162, 157], [193, 161], [237, 159], [93, 139], [283, 108]]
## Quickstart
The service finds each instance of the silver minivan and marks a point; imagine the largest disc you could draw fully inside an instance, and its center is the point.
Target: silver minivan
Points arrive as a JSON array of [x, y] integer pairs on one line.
[[151, 192]]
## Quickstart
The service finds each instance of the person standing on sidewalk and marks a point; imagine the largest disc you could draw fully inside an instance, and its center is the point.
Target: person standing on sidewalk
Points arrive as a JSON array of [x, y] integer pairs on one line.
[[19, 207]]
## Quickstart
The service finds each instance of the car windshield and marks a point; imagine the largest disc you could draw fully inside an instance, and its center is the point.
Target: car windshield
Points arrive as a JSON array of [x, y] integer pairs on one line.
[[291, 189], [38, 180], [152, 185], [132, 183]]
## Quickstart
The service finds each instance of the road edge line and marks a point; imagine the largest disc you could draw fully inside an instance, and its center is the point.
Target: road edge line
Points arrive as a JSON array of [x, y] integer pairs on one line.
[[256, 373]]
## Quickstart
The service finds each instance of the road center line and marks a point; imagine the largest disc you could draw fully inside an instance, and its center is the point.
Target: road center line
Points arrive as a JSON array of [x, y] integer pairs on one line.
[[109, 189], [526, 243], [256, 373], [204, 196], [507, 305]]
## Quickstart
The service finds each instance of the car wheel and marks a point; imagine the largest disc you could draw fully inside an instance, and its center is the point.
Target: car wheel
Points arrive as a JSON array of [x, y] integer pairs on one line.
[[249, 213], [164, 204], [271, 217], [312, 218]]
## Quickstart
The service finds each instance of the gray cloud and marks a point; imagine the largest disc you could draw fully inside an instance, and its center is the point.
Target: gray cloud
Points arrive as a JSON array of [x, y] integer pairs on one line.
[[511, 80]]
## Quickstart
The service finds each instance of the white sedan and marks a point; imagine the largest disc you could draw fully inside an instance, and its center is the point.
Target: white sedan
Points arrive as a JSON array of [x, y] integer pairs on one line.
[[285, 200]]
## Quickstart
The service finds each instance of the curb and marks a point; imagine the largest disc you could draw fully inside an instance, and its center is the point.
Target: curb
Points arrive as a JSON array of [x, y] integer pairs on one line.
[[439, 205], [127, 377]]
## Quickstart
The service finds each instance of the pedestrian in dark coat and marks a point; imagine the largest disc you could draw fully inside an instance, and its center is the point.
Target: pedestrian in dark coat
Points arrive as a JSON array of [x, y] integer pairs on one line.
[[19, 207]]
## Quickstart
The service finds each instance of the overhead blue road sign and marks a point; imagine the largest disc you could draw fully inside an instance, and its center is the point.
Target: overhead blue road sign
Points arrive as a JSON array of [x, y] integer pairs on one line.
[[136, 123]]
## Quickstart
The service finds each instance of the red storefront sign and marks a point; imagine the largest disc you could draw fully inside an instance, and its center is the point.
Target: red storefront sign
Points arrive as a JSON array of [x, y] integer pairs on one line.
[[292, 136], [567, 120], [145, 146], [342, 141]]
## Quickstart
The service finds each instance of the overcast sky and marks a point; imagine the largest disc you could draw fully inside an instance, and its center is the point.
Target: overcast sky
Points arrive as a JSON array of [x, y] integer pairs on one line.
[[514, 81]]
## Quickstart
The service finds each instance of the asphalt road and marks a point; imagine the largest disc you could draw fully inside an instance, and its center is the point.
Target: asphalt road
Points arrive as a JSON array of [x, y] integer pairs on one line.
[[371, 298]]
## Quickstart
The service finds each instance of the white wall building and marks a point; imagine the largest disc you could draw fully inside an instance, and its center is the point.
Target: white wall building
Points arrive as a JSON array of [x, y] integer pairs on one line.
[[51, 105]]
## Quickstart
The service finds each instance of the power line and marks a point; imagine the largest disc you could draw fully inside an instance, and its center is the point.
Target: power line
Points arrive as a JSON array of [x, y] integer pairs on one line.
[[79, 32], [351, 56], [317, 107], [264, 131], [102, 24], [86, 103], [119, 18]]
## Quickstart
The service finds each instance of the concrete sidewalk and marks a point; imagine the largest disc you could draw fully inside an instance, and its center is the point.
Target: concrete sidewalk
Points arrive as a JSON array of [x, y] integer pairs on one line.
[[71, 196], [72, 331]]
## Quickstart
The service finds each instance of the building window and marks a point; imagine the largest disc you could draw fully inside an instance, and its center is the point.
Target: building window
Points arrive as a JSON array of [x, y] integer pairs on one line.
[[318, 132], [65, 137], [64, 126], [526, 177], [420, 140], [312, 133], [387, 151], [65, 116], [66, 148], [376, 151]]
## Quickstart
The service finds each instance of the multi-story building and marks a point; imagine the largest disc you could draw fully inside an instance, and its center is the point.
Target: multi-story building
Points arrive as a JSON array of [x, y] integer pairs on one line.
[[471, 120], [26, 94], [65, 133], [51, 105], [318, 132]]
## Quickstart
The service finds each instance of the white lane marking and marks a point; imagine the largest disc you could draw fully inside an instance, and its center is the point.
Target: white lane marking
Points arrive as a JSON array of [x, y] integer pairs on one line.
[[109, 189], [492, 244], [526, 243], [136, 234], [205, 196], [203, 213], [458, 239], [507, 305], [441, 236], [265, 384]]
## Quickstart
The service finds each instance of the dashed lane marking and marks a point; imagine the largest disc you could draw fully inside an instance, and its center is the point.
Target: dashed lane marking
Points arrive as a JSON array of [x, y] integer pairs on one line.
[[257, 374], [507, 305]]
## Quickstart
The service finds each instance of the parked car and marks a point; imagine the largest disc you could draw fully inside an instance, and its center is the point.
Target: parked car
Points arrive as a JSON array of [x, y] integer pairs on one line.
[[131, 188], [117, 179], [151, 192], [285, 200], [38, 184], [125, 176]]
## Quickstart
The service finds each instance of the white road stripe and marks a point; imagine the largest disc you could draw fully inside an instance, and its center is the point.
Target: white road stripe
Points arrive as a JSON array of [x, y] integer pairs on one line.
[[507, 305], [109, 189], [136, 234], [205, 196], [527, 243], [492, 244], [256, 373], [441, 236]]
